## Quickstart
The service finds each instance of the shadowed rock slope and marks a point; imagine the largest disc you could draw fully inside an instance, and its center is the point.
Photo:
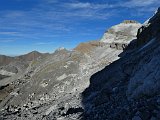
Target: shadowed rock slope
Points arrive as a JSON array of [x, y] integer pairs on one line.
[[129, 88]]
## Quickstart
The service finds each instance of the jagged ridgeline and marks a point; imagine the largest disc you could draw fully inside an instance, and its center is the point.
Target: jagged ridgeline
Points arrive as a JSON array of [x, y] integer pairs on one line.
[[115, 78]]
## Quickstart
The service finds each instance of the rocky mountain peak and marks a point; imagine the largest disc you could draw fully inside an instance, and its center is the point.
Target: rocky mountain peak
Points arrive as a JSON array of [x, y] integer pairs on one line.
[[61, 50], [34, 52], [30, 56], [119, 36], [124, 31]]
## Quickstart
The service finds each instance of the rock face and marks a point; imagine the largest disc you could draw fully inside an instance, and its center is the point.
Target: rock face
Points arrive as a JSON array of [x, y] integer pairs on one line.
[[130, 21], [89, 47], [149, 30], [4, 91], [95, 81], [119, 36], [129, 87]]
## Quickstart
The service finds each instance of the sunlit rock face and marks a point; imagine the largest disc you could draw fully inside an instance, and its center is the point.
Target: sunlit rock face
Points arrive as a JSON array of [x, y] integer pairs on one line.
[[119, 36]]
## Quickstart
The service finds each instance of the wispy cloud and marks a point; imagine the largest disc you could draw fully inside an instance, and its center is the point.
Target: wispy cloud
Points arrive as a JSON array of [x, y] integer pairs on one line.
[[45, 19], [44, 43], [139, 3], [7, 41], [87, 5], [80, 5], [8, 33]]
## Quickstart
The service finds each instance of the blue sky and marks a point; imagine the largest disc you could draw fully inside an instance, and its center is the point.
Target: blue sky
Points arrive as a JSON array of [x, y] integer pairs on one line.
[[45, 25]]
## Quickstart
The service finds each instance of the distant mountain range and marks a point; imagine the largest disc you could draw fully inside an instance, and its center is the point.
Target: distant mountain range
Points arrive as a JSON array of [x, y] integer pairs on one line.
[[4, 60]]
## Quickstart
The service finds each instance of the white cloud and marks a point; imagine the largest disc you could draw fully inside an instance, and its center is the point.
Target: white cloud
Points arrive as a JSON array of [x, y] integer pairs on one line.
[[139, 3], [80, 5], [87, 5]]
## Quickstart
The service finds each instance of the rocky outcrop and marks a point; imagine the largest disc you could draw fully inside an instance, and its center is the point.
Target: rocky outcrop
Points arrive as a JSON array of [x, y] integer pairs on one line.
[[5, 91], [89, 46], [150, 30], [119, 36], [119, 45], [130, 21]]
